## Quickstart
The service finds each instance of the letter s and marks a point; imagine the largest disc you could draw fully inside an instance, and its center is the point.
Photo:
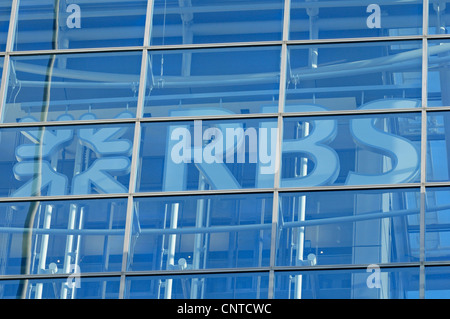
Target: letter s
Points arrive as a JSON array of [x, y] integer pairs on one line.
[[405, 157]]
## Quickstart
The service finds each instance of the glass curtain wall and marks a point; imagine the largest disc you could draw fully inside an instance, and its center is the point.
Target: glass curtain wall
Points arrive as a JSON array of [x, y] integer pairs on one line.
[[194, 149]]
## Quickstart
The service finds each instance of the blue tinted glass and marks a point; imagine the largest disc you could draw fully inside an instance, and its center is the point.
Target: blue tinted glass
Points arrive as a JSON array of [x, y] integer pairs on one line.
[[65, 160], [438, 11], [232, 231], [62, 237], [199, 155], [83, 24], [5, 12], [437, 282], [324, 19], [55, 288], [381, 75], [351, 150], [370, 283], [348, 227], [437, 220], [67, 87], [212, 81], [438, 130], [438, 72], [200, 21], [216, 286]]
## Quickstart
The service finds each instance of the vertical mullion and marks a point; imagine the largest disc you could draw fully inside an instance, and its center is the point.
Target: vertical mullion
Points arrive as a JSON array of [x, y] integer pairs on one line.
[[423, 163], [6, 62], [277, 174], [136, 147]]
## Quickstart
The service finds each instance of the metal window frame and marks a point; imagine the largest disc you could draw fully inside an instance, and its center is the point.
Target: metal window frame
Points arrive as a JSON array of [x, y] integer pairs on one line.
[[146, 48]]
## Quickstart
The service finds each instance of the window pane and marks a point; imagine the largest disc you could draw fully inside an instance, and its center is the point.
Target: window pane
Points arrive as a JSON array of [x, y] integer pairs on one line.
[[55, 288], [199, 155], [351, 150], [437, 221], [438, 15], [437, 282], [62, 237], [5, 13], [212, 81], [325, 19], [370, 283], [63, 160], [438, 130], [348, 227], [380, 75], [216, 286], [85, 24], [81, 86], [200, 21], [201, 232], [438, 73]]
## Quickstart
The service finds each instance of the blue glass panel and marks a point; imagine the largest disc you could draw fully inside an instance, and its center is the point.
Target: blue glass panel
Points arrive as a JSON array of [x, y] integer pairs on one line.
[[371, 283], [380, 75], [348, 227], [437, 224], [351, 150], [324, 19], [83, 24], [212, 81], [73, 86], [438, 72], [437, 282], [438, 130], [200, 21], [215, 286], [63, 160], [5, 13], [438, 15], [62, 236], [198, 155], [56, 288], [201, 232]]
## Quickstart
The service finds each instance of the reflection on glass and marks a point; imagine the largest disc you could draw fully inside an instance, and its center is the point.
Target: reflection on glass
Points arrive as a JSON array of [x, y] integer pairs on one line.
[[58, 237], [212, 81], [73, 87], [63, 160], [438, 72], [5, 12], [82, 24], [325, 19], [381, 75], [203, 232], [351, 150], [202, 155], [200, 21], [371, 283], [216, 286], [348, 227], [438, 130], [88, 288], [437, 221], [437, 284], [438, 13]]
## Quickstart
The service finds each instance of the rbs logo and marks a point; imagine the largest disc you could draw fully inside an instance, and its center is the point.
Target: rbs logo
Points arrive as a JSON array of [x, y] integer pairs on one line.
[[403, 155]]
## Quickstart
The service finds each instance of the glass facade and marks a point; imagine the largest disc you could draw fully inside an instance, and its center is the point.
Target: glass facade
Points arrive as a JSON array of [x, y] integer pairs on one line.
[[264, 149]]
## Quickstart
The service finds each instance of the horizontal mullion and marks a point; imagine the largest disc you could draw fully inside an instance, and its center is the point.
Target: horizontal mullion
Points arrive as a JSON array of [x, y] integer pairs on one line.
[[223, 45], [274, 116]]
